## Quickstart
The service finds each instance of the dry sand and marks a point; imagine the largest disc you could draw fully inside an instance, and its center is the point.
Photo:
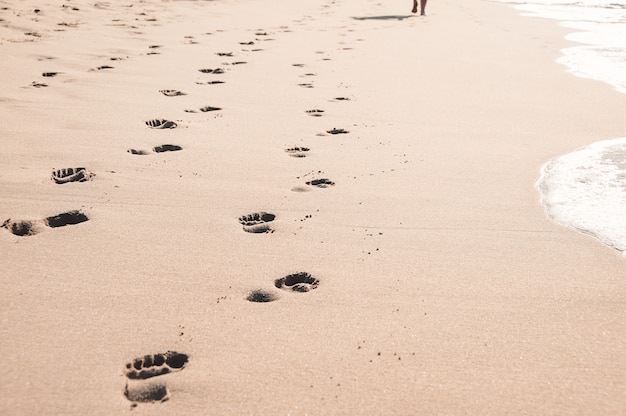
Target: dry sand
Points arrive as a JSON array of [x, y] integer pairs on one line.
[[442, 286]]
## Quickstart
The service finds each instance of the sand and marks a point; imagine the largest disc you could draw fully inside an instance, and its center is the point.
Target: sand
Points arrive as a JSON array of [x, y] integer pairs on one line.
[[436, 283]]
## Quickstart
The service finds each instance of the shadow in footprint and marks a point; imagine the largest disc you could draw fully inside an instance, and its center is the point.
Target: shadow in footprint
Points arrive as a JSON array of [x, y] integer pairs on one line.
[[167, 148], [146, 393], [261, 296], [66, 218], [297, 282], [22, 228], [137, 152]]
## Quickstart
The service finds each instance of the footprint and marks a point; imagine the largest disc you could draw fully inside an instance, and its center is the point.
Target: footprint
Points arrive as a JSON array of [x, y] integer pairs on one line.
[[337, 131], [66, 175], [211, 71], [261, 296], [167, 148], [341, 99], [100, 68], [146, 392], [161, 124], [38, 84], [204, 109], [66, 218], [155, 365], [297, 151], [137, 152], [257, 223], [315, 112], [321, 183], [50, 74], [247, 43], [297, 282], [306, 85], [137, 390], [210, 82], [224, 54], [25, 228], [172, 93], [238, 63]]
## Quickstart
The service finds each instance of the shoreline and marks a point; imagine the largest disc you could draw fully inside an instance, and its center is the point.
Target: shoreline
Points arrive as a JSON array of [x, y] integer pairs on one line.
[[442, 286]]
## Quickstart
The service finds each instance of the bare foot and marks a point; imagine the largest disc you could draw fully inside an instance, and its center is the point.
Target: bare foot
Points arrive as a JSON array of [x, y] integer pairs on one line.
[[414, 6]]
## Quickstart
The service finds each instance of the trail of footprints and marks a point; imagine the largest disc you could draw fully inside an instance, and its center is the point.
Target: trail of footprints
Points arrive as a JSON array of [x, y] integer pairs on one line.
[[145, 376]]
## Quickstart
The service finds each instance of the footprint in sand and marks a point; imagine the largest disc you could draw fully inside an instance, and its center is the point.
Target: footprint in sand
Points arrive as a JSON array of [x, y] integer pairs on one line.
[[138, 390], [337, 131], [321, 183], [50, 74], [224, 54], [306, 85], [206, 109], [160, 123], [315, 112], [137, 152], [100, 68], [210, 82], [261, 296], [158, 149], [172, 93], [25, 228], [66, 175], [257, 223], [211, 71], [341, 99], [298, 282], [297, 151], [167, 148], [38, 84]]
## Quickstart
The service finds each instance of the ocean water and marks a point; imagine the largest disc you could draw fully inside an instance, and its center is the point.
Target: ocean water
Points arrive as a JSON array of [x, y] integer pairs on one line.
[[586, 189]]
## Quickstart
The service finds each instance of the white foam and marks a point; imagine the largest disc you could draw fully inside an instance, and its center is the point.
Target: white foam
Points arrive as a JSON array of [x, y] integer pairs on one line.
[[601, 28], [586, 190]]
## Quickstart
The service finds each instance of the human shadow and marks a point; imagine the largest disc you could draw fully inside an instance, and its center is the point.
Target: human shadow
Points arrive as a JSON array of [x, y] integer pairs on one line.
[[386, 17]]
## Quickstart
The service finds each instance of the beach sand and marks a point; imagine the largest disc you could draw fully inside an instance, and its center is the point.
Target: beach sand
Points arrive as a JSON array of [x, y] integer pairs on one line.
[[436, 283]]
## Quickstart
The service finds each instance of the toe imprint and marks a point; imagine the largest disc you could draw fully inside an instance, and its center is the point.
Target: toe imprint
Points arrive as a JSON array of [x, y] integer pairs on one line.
[[321, 183], [160, 123], [257, 223], [66, 175], [297, 282], [155, 365]]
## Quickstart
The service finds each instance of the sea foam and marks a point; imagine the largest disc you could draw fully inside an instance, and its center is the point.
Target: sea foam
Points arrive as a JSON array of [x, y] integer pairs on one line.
[[586, 190]]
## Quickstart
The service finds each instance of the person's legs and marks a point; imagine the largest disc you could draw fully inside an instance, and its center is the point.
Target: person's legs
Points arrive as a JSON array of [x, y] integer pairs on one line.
[[414, 6], [423, 4]]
